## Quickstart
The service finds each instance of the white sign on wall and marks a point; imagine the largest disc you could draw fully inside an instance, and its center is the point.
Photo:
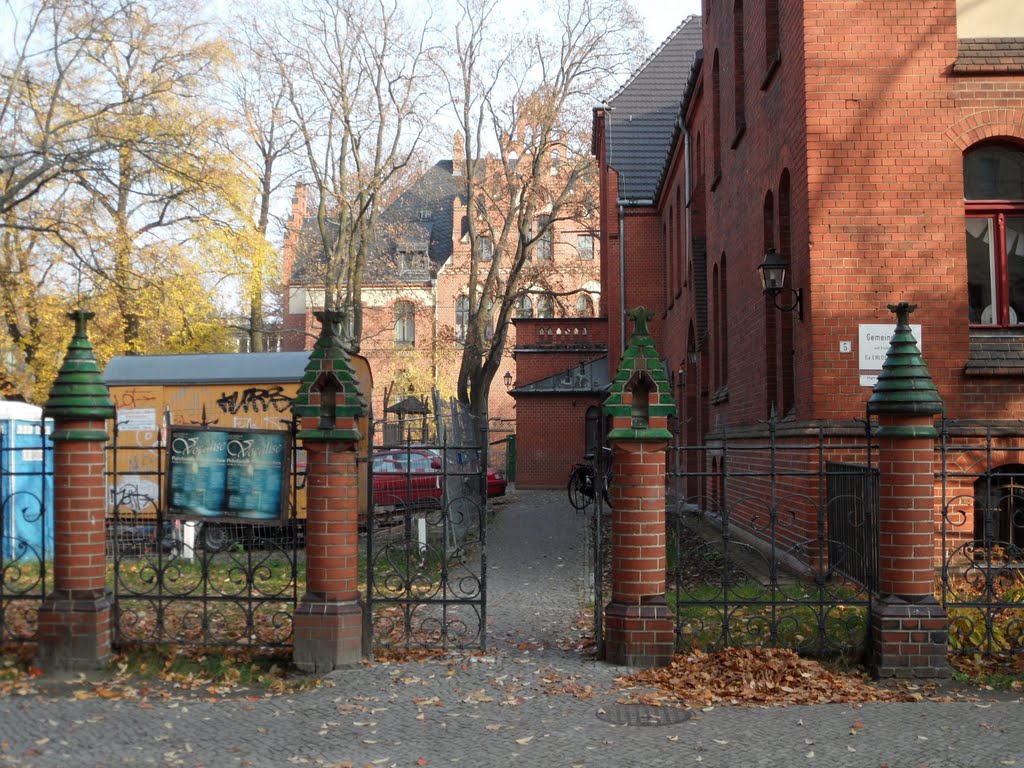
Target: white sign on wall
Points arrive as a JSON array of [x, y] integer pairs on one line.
[[136, 419], [873, 340]]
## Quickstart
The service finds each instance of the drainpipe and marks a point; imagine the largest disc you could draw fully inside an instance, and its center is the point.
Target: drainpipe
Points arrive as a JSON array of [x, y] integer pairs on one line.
[[622, 279]]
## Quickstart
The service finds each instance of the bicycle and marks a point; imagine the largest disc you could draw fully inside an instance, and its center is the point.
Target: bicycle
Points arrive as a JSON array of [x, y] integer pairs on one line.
[[582, 481]]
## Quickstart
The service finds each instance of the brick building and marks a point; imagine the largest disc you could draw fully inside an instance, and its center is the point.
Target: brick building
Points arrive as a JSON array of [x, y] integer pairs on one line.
[[415, 308], [878, 149]]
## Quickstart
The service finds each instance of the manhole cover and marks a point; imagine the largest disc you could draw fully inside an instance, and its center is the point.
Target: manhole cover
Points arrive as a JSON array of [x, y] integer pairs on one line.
[[642, 714]]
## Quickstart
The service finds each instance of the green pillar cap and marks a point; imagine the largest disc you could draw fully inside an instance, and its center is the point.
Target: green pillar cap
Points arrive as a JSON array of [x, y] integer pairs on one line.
[[640, 359], [79, 393], [904, 387], [329, 356]]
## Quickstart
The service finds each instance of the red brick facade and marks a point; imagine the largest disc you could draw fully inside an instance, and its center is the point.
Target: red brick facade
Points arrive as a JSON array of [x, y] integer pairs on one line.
[[551, 425], [433, 357]]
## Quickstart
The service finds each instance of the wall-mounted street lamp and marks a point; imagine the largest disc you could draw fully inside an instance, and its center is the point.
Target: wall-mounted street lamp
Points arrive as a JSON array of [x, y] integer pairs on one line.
[[773, 281], [692, 355], [508, 379]]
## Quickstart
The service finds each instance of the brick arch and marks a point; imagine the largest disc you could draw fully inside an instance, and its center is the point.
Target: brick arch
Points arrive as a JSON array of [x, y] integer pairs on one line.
[[986, 124]]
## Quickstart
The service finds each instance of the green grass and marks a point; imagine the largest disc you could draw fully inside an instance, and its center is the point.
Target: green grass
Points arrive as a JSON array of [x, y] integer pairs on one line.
[[749, 614]]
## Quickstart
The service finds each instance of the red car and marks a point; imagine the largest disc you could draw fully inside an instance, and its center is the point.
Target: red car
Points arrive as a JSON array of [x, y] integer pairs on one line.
[[416, 477]]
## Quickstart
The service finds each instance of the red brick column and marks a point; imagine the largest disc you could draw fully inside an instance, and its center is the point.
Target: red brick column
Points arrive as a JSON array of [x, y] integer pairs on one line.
[[329, 621], [639, 626], [75, 619], [908, 625]]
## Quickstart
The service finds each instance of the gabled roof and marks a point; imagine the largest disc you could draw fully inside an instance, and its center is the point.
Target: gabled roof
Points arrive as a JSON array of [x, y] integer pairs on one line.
[[420, 219], [641, 118]]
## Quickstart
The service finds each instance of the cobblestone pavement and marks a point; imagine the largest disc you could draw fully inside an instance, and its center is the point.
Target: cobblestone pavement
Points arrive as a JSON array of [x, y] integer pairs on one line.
[[513, 706]]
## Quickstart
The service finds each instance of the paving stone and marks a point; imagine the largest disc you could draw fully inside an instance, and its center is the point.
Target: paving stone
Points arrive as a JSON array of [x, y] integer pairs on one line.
[[497, 709]]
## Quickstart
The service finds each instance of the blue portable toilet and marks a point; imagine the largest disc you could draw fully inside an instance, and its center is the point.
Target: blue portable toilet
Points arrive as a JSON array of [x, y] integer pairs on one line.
[[26, 482]]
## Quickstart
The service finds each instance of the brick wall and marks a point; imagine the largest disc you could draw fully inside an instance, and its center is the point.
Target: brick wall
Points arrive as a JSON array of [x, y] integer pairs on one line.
[[871, 137], [550, 430]]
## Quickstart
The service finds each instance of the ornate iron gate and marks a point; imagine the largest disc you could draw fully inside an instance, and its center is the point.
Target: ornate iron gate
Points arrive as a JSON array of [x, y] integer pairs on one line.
[[196, 583], [426, 536], [26, 538], [754, 555], [981, 473]]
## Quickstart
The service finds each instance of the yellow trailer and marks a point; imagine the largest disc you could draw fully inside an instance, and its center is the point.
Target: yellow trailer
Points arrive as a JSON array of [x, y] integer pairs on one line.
[[222, 391]]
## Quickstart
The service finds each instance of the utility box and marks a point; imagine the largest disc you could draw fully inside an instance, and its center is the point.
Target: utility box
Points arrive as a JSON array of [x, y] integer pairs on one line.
[[26, 482]]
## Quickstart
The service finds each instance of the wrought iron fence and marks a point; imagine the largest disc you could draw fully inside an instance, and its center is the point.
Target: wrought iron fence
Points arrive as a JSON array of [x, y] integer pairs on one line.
[[191, 581], [756, 554], [981, 474], [426, 562], [26, 538]]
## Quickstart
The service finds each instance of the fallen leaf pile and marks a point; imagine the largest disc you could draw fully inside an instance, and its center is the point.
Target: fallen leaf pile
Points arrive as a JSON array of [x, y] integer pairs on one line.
[[753, 676]]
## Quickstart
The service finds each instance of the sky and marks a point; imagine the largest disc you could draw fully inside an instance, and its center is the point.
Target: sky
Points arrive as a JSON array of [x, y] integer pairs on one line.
[[662, 16]]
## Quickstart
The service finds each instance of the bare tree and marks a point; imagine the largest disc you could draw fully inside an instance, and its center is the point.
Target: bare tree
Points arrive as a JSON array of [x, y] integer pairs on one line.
[[355, 74], [266, 153], [527, 97]]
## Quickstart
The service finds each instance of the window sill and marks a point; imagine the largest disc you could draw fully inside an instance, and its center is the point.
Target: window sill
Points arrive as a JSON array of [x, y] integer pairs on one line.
[[996, 352], [773, 67], [721, 396]]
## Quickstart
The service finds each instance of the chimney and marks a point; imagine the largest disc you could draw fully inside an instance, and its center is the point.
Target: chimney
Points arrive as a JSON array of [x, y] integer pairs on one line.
[[291, 237], [458, 154]]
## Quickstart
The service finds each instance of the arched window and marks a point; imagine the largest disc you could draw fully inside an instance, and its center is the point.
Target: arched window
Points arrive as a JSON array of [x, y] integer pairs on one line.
[[584, 305], [771, 321], [716, 312], [771, 33], [716, 120], [461, 317], [787, 360], [546, 305], [405, 323], [999, 509], [723, 325], [994, 193], [738, 78], [524, 307]]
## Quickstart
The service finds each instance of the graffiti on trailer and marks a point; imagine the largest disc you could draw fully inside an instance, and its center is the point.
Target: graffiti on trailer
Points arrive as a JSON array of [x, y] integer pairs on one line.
[[131, 398], [255, 399]]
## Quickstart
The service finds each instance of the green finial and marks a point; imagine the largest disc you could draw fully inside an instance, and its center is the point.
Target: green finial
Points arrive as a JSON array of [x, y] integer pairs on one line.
[[905, 386], [640, 316], [642, 375], [81, 318], [78, 393], [329, 361]]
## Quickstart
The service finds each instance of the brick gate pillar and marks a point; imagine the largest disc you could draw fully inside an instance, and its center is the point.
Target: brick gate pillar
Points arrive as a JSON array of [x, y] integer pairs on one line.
[[74, 629], [908, 625], [639, 626], [329, 621]]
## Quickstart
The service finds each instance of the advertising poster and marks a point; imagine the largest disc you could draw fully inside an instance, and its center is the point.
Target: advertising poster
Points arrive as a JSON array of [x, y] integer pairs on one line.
[[218, 473]]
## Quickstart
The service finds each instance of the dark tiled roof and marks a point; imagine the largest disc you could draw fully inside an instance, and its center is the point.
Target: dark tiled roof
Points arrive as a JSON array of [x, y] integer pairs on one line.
[[589, 377], [420, 219], [990, 54], [641, 121], [996, 353]]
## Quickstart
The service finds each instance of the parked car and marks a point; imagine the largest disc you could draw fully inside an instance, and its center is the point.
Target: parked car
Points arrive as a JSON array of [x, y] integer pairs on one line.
[[416, 476]]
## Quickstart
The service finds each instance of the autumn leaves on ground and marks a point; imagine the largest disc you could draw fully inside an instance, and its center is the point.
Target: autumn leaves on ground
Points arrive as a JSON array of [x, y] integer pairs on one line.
[[730, 677]]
